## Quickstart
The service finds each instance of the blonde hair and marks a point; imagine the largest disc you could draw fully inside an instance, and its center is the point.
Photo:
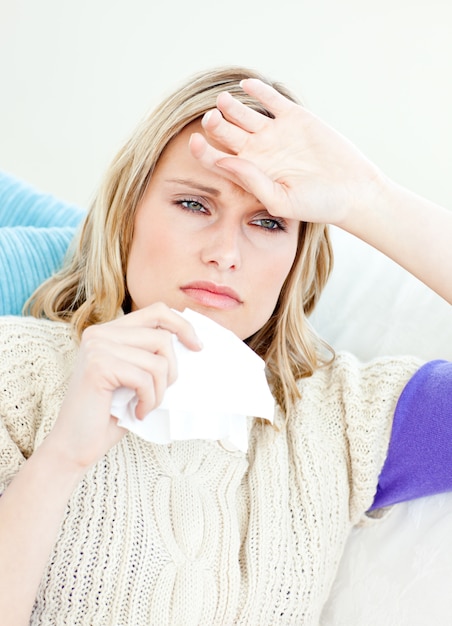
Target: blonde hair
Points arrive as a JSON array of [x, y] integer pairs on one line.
[[91, 287]]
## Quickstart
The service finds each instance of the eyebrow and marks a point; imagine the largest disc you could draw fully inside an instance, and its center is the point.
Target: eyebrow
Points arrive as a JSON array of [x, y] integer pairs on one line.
[[194, 184]]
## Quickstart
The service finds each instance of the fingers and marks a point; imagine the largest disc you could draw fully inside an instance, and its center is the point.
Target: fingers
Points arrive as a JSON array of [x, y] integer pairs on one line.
[[232, 121], [240, 114], [210, 156], [160, 316], [231, 137], [243, 116], [253, 180], [149, 382], [203, 151], [136, 351], [242, 172], [272, 100], [150, 393], [135, 346]]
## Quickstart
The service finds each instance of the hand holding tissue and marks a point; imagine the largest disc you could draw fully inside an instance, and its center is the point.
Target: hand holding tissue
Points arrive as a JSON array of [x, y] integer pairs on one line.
[[215, 391]]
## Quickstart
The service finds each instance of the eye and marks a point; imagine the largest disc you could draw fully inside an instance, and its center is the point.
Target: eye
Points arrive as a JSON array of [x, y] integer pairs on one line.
[[270, 223], [192, 205]]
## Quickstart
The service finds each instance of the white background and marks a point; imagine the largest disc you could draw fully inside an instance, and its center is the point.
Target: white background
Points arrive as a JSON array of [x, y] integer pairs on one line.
[[77, 76]]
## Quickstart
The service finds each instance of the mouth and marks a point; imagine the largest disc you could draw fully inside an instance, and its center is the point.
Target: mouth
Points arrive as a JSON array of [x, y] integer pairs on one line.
[[212, 295]]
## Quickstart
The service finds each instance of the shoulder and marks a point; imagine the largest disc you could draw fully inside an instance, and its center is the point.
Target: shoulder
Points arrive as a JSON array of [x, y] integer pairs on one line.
[[30, 346], [345, 414], [347, 375], [15, 329], [36, 360], [349, 394]]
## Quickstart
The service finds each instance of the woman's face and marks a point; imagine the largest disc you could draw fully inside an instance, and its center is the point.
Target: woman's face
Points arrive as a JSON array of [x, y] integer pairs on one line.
[[204, 243]]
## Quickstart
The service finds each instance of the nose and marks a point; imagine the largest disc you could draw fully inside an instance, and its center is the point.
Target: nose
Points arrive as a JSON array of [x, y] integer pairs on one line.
[[222, 246]]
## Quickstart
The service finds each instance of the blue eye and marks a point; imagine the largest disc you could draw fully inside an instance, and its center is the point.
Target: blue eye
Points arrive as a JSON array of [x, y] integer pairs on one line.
[[269, 223], [192, 205]]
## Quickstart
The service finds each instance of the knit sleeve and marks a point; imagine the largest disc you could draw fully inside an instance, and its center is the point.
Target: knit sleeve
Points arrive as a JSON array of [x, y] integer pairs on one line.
[[370, 394], [11, 456], [340, 429], [33, 358], [16, 422]]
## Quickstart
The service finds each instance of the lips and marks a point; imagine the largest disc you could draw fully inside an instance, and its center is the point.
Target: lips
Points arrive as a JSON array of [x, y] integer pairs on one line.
[[212, 295]]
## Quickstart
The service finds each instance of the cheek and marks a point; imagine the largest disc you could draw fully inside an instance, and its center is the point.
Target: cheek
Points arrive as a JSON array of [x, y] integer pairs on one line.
[[269, 279], [279, 268], [149, 255], [152, 241]]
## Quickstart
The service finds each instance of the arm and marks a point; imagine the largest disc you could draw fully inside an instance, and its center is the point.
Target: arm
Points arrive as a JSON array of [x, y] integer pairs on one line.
[[301, 168], [31, 510], [133, 351], [411, 230]]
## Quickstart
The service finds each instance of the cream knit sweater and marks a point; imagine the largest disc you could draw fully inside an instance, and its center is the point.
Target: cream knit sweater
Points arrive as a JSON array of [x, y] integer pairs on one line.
[[191, 533]]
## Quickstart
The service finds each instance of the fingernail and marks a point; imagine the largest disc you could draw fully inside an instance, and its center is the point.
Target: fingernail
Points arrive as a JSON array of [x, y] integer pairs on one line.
[[206, 117]]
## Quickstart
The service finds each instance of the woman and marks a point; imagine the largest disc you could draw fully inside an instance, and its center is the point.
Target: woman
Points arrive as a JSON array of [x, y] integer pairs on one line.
[[216, 213]]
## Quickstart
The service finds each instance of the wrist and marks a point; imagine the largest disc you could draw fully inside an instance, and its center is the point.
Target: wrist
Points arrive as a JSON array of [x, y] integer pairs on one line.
[[57, 458], [371, 199]]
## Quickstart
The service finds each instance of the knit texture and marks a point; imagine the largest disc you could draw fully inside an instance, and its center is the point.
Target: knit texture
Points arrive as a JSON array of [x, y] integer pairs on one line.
[[190, 533]]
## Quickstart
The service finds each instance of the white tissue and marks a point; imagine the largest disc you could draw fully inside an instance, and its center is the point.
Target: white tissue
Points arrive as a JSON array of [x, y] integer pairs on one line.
[[216, 389]]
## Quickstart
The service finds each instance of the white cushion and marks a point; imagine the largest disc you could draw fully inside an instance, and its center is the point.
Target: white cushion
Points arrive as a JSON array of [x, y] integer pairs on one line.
[[398, 570]]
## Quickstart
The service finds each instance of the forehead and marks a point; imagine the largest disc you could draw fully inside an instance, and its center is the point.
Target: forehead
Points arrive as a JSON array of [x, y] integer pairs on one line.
[[177, 163], [177, 147]]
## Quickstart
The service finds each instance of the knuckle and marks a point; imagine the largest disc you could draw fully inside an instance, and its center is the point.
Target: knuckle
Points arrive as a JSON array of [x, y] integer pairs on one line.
[[166, 337], [94, 351], [91, 345], [147, 380], [93, 334], [161, 366]]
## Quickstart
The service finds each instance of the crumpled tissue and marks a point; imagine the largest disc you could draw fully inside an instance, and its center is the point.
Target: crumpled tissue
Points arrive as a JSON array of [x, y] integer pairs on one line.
[[215, 391]]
